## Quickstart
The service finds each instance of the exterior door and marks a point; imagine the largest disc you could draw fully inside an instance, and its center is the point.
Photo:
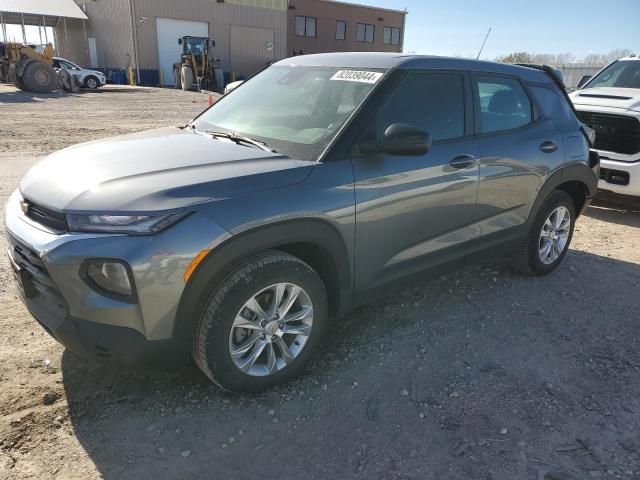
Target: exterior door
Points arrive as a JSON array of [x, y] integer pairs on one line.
[[410, 209], [168, 31], [519, 149]]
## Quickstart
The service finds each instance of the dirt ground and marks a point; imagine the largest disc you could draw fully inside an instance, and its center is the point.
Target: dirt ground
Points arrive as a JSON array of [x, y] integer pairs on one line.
[[479, 374]]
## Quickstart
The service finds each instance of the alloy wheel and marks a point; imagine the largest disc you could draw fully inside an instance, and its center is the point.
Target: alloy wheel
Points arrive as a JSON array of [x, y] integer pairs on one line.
[[271, 329], [554, 235]]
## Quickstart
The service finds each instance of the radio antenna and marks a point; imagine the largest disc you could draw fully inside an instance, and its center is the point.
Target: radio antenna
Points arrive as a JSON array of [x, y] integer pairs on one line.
[[485, 41]]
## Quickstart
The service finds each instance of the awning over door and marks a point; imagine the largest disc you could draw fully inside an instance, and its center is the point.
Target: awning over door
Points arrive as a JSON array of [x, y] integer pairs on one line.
[[34, 12]]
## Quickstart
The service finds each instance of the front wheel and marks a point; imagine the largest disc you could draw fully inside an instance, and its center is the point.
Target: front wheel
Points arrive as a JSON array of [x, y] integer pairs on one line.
[[91, 83], [262, 325], [549, 236]]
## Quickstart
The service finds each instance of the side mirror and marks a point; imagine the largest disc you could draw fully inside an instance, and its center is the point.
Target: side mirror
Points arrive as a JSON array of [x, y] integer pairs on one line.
[[179, 41], [583, 80], [400, 139]]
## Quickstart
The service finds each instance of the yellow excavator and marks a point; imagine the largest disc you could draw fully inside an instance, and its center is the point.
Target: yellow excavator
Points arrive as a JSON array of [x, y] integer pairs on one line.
[[31, 70]]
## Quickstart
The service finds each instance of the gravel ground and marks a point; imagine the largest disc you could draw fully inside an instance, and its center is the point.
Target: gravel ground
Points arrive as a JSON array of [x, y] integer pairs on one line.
[[479, 374]]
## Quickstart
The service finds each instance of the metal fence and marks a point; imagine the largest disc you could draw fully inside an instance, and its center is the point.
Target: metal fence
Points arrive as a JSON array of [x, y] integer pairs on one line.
[[573, 72]]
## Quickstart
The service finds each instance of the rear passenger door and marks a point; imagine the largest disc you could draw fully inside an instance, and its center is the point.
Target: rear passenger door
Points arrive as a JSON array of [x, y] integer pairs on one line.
[[519, 149], [411, 209]]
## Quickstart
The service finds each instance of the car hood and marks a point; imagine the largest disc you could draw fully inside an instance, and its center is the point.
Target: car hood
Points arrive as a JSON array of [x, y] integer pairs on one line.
[[625, 98], [162, 169]]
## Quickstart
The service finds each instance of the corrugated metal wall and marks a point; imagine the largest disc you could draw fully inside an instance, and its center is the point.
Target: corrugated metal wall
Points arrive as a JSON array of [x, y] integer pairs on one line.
[[249, 49], [220, 16], [573, 72], [109, 23]]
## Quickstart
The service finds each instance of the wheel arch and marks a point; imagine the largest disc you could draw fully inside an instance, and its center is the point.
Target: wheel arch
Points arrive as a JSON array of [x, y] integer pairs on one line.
[[314, 241], [579, 181]]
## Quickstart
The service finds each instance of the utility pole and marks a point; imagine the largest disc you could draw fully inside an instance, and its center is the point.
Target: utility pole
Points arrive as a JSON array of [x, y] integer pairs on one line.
[[485, 41]]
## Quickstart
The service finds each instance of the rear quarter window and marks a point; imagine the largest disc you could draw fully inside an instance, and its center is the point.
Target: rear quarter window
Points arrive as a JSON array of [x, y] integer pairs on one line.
[[553, 104]]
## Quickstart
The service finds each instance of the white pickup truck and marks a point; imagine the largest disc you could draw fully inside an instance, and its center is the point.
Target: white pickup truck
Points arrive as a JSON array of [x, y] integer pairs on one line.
[[610, 104]]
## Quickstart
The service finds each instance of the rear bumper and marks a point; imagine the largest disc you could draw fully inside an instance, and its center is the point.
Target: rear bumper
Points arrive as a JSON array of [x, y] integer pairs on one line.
[[620, 177]]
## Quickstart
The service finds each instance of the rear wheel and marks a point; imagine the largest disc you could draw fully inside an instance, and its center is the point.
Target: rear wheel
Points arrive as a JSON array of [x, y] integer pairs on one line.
[[186, 78], [263, 324], [549, 236], [39, 77]]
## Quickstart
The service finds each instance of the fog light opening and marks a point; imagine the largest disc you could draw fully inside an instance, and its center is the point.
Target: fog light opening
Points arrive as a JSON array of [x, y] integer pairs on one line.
[[111, 278]]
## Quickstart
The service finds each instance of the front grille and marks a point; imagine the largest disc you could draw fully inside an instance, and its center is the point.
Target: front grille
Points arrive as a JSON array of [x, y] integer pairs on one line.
[[39, 278], [44, 216], [614, 133]]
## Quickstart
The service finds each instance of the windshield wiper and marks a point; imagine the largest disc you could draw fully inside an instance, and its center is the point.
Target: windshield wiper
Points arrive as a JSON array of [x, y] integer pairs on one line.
[[239, 139]]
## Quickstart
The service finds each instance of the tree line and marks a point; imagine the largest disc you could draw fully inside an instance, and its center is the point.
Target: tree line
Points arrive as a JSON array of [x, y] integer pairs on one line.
[[558, 59]]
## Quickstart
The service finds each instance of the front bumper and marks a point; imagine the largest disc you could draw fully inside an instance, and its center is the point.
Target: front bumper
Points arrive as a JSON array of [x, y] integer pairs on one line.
[[87, 322], [107, 343], [619, 177]]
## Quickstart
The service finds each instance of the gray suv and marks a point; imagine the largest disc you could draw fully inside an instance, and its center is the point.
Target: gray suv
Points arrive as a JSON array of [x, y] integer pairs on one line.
[[236, 238]]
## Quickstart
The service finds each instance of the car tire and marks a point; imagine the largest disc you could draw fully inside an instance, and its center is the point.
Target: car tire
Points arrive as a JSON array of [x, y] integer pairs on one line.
[[91, 82], [256, 358], [549, 236], [39, 77]]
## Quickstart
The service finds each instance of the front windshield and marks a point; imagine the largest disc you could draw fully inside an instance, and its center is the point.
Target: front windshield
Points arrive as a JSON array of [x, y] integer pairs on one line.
[[293, 109], [621, 74], [194, 45]]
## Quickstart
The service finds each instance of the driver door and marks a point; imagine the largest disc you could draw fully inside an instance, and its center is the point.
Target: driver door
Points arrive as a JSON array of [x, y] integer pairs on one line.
[[413, 211]]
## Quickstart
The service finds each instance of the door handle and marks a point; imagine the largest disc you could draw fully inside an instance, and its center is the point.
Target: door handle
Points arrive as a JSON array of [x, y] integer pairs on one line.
[[548, 146], [463, 161]]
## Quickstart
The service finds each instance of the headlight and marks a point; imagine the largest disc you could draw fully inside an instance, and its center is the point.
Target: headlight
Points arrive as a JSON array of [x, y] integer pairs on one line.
[[132, 224], [109, 277]]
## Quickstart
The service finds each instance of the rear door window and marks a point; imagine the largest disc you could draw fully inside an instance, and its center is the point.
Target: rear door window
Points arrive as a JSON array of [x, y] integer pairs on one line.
[[504, 103]]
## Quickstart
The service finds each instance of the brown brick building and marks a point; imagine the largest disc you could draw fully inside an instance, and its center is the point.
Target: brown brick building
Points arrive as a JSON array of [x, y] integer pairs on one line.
[[317, 26]]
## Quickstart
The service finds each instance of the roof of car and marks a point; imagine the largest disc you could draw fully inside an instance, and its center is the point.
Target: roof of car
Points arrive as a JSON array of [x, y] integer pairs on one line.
[[405, 61]]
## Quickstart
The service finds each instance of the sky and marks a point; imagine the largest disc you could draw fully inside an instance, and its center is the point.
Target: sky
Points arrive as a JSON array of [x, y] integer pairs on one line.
[[457, 27]]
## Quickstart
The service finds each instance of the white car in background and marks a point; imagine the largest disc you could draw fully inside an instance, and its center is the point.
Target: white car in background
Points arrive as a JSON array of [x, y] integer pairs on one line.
[[91, 79], [609, 103], [232, 86]]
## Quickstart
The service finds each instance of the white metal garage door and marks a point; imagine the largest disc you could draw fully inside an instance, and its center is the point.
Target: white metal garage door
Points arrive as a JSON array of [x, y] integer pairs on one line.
[[169, 31]]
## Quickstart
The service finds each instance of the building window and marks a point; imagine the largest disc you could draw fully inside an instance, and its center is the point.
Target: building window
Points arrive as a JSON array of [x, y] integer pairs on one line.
[[364, 32], [305, 26], [341, 29], [391, 36]]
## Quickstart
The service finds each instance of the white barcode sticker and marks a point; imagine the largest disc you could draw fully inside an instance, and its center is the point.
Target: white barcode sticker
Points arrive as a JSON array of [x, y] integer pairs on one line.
[[357, 76]]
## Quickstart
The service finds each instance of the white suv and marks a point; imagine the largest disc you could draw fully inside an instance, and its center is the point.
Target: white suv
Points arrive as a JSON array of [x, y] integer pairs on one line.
[[88, 78], [610, 104]]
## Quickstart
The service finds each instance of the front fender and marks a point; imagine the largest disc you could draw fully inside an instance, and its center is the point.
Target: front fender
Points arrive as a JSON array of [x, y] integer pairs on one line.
[[221, 261]]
